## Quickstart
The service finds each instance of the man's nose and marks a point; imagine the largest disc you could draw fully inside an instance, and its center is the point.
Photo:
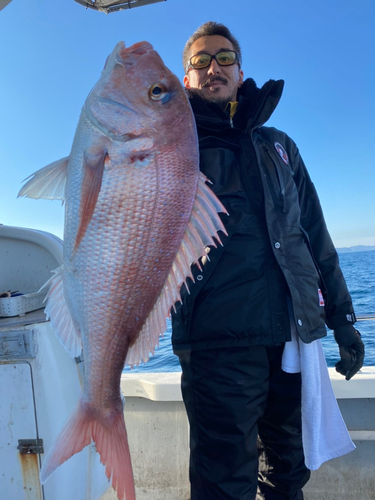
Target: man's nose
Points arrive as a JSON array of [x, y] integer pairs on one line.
[[214, 67]]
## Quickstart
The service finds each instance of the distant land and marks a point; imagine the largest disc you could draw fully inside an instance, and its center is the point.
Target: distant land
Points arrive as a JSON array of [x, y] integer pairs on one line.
[[357, 248]]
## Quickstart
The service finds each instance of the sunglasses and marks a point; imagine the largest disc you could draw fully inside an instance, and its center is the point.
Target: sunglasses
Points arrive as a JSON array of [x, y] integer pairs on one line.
[[223, 58]]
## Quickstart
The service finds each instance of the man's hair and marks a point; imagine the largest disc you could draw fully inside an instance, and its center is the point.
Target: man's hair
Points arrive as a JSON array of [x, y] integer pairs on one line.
[[208, 29]]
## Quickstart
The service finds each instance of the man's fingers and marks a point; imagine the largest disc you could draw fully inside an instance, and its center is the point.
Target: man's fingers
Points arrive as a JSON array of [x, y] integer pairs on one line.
[[353, 370], [341, 370], [351, 361], [358, 357]]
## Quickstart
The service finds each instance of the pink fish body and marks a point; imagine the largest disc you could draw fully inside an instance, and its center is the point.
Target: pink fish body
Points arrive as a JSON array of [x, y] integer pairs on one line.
[[137, 214]]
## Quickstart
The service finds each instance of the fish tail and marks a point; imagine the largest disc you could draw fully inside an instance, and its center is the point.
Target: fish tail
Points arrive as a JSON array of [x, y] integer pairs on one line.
[[112, 444], [109, 434]]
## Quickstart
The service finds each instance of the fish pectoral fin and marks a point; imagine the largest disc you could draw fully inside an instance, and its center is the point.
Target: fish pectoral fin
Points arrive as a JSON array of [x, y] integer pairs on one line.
[[57, 312], [92, 182], [200, 232], [48, 183]]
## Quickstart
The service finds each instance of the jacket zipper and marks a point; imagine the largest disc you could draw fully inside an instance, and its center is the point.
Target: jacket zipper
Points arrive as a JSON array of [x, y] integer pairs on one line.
[[281, 197], [278, 199], [322, 284]]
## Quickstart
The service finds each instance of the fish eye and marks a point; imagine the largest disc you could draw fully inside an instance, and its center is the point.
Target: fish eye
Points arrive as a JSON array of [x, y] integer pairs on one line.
[[157, 91]]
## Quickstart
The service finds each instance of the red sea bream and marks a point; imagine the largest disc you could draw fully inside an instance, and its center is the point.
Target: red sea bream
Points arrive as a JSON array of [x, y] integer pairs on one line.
[[137, 214]]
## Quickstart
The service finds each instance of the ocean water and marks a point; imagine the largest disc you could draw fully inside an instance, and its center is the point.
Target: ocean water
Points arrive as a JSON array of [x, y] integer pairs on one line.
[[359, 272]]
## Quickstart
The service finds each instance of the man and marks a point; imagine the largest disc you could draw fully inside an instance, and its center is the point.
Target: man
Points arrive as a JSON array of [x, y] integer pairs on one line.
[[277, 269]]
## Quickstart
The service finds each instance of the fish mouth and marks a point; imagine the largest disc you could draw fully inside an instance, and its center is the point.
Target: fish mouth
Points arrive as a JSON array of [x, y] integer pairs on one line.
[[126, 56], [98, 105], [130, 55], [111, 102], [118, 137]]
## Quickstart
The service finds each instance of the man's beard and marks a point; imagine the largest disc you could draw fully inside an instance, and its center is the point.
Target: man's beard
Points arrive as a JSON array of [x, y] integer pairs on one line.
[[213, 97]]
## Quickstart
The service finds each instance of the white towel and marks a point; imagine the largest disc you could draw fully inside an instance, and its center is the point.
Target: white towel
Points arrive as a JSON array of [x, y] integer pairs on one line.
[[324, 433]]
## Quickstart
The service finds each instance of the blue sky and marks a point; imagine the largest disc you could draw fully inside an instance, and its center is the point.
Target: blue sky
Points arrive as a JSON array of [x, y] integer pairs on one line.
[[52, 53]]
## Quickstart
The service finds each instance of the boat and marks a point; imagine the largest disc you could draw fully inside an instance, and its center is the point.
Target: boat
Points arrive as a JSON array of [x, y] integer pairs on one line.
[[106, 6], [40, 385]]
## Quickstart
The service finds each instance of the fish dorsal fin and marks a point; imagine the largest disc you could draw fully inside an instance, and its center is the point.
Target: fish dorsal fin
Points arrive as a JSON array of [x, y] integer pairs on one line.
[[200, 232], [91, 184], [61, 321], [47, 183]]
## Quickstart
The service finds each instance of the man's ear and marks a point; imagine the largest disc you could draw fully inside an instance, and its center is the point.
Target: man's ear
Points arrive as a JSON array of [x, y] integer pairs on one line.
[[186, 82], [240, 82]]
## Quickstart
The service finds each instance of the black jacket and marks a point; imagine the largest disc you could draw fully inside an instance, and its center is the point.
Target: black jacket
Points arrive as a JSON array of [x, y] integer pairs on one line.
[[278, 245]]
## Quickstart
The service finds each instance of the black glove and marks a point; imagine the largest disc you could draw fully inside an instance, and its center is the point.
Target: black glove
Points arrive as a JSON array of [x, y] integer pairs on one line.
[[352, 350]]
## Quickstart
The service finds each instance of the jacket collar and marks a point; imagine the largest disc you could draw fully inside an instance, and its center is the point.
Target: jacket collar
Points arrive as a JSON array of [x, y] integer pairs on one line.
[[255, 106]]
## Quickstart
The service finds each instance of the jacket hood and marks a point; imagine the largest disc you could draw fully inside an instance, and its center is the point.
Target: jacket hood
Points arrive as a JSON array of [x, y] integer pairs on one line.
[[255, 106]]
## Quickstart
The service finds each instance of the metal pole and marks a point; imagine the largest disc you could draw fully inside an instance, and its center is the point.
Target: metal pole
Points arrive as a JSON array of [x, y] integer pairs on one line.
[[365, 317]]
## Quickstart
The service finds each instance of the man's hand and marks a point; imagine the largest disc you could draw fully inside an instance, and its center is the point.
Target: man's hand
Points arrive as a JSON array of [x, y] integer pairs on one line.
[[352, 350]]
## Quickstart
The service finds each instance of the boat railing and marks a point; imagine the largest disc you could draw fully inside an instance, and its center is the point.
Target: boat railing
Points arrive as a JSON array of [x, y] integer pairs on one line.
[[365, 317]]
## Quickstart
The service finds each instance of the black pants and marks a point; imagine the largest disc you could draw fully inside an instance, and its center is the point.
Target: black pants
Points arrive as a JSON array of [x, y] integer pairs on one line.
[[245, 425]]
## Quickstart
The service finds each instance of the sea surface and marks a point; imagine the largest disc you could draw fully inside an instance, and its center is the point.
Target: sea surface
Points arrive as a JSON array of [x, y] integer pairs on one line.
[[359, 272]]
